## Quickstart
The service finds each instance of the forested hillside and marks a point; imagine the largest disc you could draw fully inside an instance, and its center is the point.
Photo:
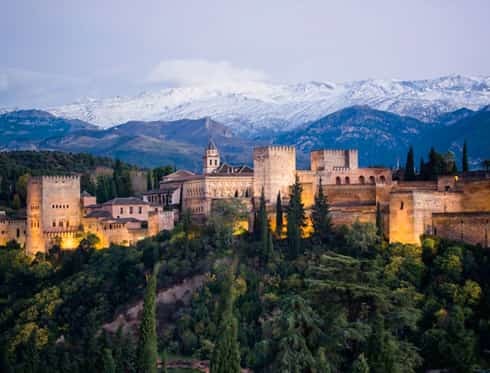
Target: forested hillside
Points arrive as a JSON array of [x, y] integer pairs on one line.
[[342, 300]]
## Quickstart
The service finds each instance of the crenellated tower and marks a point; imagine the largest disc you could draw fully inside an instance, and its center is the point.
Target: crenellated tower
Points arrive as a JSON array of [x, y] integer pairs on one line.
[[274, 170]]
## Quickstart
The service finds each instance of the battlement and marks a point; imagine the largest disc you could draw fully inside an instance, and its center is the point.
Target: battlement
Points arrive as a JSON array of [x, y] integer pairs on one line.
[[335, 151], [276, 149], [61, 179]]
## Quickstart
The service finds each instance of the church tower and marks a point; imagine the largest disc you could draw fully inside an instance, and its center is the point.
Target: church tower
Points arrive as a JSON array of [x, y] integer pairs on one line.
[[210, 160]]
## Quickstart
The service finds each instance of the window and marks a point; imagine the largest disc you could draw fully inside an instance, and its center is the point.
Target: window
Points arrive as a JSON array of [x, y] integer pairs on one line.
[[215, 162], [402, 205], [54, 223], [337, 180], [210, 162], [362, 180], [140, 210], [383, 179], [60, 223], [67, 224], [347, 180], [371, 180], [121, 210], [18, 232], [131, 209]]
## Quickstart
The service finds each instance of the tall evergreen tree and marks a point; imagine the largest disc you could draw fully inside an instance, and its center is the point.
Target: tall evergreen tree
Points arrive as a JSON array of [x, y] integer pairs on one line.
[[380, 348], [109, 365], [279, 212], [226, 352], [164, 362], [410, 165], [322, 221], [465, 163], [295, 220], [149, 181], [360, 365], [262, 220], [31, 355], [147, 354]]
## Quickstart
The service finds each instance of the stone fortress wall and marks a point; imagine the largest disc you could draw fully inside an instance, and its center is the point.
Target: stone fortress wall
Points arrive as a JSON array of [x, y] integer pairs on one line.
[[12, 229]]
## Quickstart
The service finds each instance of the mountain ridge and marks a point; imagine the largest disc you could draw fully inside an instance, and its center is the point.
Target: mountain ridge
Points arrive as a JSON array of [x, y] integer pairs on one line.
[[263, 106]]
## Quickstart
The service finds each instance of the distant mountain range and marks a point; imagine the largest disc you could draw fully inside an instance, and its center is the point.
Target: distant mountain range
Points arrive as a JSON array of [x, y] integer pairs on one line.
[[382, 137], [261, 108]]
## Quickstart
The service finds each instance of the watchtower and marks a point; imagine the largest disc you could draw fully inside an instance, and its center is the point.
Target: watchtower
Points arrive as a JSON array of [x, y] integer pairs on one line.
[[211, 158]]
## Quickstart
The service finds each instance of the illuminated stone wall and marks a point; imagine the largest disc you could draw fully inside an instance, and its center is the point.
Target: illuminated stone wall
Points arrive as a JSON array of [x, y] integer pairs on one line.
[[34, 228], [411, 212], [471, 227]]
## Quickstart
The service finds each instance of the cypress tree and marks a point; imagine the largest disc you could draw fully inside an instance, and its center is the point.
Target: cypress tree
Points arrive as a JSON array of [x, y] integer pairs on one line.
[[31, 354], [360, 365], [322, 221], [149, 181], [109, 365], [279, 222], [410, 165], [466, 166], [226, 352], [164, 362], [147, 354], [262, 222], [295, 220]]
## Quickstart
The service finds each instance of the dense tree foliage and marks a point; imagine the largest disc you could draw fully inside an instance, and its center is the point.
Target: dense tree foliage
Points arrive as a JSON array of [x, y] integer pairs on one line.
[[353, 303]]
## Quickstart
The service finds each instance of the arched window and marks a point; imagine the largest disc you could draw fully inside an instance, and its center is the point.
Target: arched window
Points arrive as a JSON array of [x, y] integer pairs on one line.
[[362, 180], [347, 180], [402, 205], [236, 193], [371, 180], [382, 179], [338, 181]]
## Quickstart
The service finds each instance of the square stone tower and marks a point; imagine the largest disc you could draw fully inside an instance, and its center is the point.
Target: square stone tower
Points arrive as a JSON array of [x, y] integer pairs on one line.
[[333, 159], [53, 206], [274, 170]]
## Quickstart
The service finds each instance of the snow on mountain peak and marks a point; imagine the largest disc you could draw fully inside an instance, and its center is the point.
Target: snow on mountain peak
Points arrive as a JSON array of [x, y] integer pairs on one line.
[[259, 105]]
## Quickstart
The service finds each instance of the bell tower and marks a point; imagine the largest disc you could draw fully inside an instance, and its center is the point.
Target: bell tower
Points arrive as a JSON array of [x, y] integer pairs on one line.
[[210, 160]]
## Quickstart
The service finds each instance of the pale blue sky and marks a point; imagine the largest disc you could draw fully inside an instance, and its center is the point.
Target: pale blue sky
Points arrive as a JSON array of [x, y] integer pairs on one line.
[[55, 51]]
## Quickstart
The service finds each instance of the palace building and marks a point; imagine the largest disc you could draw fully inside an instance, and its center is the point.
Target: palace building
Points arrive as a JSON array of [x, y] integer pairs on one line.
[[58, 214], [455, 207]]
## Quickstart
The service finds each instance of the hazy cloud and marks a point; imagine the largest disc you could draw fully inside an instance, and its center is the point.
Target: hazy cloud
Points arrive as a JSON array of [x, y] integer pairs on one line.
[[191, 72], [35, 88]]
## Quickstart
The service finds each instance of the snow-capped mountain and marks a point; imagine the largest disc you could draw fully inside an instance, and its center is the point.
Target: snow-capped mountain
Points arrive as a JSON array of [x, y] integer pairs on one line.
[[261, 106]]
